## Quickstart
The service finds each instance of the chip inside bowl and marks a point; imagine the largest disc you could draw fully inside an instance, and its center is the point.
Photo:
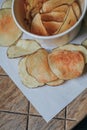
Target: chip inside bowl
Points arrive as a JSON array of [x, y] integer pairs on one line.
[[40, 15], [69, 21]]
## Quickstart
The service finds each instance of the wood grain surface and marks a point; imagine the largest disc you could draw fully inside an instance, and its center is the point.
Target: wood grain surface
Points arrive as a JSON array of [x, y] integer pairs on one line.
[[17, 113]]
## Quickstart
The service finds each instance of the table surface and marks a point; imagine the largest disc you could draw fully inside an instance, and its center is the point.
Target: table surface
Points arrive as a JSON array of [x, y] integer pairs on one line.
[[17, 113]]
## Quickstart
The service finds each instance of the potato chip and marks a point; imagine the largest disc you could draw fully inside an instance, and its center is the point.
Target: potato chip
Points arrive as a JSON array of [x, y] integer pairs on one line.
[[38, 67], [69, 21], [67, 11], [56, 82], [35, 10], [66, 64], [61, 8], [53, 16], [74, 47], [7, 4], [22, 47], [9, 32], [76, 9], [37, 26], [52, 26], [84, 43], [51, 4], [26, 78]]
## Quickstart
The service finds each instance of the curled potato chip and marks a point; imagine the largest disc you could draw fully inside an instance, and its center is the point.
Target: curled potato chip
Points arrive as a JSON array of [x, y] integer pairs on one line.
[[7, 4], [22, 47], [69, 21], [9, 32], [37, 27], [26, 78], [56, 82], [74, 47], [51, 4], [84, 43], [66, 64], [76, 9], [52, 26], [61, 8], [53, 16], [38, 67]]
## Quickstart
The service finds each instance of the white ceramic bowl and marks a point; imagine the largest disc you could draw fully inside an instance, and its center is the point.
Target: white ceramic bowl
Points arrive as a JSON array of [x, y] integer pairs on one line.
[[48, 42]]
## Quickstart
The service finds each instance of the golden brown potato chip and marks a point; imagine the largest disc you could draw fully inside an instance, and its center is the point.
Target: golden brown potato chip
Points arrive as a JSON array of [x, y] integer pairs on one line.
[[37, 26], [7, 4], [26, 78], [9, 32], [53, 16], [22, 47], [31, 8], [36, 10], [51, 4], [32, 3], [66, 64], [56, 82], [52, 26], [84, 43], [38, 67], [74, 47], [69, 21], [76, 9], [62, 8]]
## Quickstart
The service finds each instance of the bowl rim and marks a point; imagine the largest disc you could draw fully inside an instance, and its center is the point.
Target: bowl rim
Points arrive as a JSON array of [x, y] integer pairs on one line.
[[51, 36]]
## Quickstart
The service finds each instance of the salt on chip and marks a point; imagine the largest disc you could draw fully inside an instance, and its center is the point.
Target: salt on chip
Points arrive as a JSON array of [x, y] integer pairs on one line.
[[74, 47], [66, 64], [38, 67], [7, 4], [22, 47], [9, 32], [25, 77]]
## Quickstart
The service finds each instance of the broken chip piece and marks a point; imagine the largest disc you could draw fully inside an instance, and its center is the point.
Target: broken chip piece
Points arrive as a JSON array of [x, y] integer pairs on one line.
[[22, 47]]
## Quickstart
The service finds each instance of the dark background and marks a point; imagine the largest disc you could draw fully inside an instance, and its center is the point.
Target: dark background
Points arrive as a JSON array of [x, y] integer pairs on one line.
[[82, 125]]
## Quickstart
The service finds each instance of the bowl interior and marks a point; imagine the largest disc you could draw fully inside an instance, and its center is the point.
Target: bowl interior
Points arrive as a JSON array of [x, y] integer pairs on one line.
[[19, 16], [19, 13]]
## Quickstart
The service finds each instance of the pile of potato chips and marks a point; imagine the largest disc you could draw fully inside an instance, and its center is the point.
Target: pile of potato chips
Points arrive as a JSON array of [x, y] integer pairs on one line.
[[50, 17], [37, 66]]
